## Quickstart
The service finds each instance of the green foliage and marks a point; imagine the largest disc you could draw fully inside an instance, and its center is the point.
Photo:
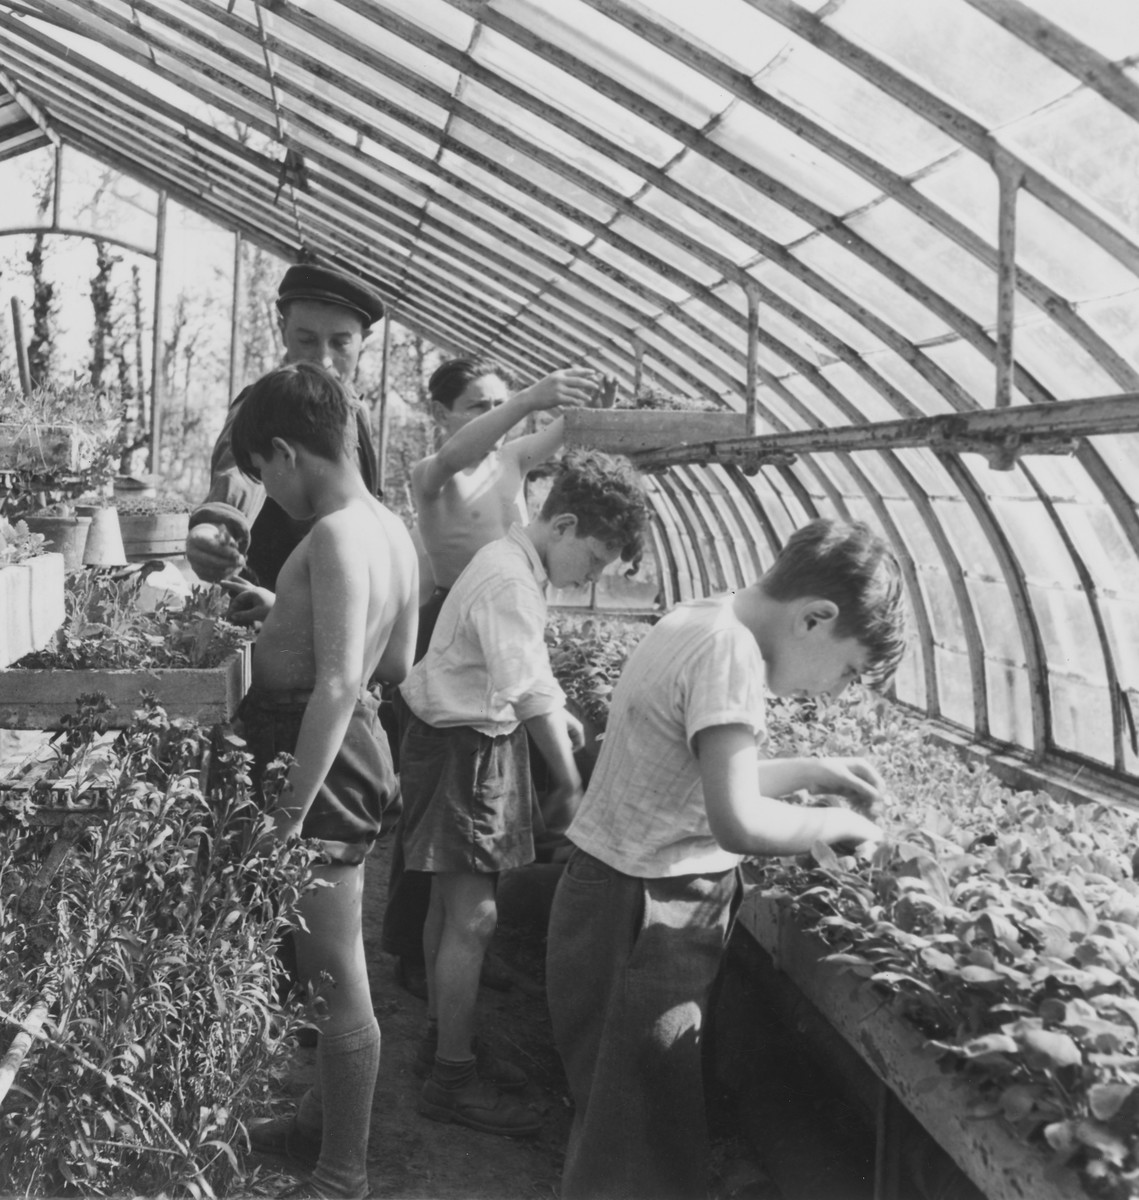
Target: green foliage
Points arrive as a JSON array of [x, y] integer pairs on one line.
[[587, 655], [106, 629], [1004, 925], [18, 543], [155, 945]]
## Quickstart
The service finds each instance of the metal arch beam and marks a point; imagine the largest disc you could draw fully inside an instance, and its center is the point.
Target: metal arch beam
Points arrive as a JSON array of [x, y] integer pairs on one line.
[[970, 133], [850, 356], [657, 31], [1087, 582], [1092, 69], [931, 372], [1017, 586], [691, 381], [824, 222]]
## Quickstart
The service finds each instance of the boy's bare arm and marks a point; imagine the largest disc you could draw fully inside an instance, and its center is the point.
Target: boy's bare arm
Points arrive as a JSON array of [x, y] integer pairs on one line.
[[746, 821], [551, 735], [572, 387], [339, 584]]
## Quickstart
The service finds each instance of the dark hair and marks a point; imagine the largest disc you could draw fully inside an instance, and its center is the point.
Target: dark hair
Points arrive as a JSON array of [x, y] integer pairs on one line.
[[855, 569], [605, 494], [302, 403], [450, 380]]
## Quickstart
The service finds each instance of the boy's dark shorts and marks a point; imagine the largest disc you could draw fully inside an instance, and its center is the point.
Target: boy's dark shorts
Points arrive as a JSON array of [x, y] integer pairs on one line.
[[466, 799], [360, 797]]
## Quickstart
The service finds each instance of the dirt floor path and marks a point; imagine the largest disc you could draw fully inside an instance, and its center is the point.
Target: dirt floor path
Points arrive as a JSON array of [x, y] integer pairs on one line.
[[414, 1158]]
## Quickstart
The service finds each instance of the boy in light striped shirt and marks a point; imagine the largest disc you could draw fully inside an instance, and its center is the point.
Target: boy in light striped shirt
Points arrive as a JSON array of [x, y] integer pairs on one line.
[[679, 794], [484, 683]]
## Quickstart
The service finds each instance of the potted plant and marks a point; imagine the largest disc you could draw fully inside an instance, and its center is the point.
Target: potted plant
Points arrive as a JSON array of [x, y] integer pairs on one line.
[[31, 591], [194, 661], [62, 443], [146, 968], [153, 526]]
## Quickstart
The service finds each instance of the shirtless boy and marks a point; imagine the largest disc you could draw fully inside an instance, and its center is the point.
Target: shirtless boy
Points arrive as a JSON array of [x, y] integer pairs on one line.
[[345, 611], [467, 494]]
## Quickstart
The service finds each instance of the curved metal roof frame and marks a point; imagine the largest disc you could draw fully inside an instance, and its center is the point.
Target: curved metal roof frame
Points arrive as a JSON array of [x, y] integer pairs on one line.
[[846, 222]]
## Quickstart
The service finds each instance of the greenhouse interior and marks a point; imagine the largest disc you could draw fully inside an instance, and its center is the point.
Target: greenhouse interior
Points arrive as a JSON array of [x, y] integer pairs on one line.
[[865, 267]]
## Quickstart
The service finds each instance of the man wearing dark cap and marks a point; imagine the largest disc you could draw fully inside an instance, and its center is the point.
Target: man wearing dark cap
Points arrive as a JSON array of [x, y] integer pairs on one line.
[[325, 315]]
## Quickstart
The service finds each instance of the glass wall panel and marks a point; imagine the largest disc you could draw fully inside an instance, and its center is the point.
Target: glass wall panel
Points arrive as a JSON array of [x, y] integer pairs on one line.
[[954, 686], [870, 402], [1010, 704], [1081, 718], [1117, 319], [966, 187], [910, 382]]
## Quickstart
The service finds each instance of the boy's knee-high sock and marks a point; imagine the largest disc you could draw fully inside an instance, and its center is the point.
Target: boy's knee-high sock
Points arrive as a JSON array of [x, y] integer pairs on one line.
[[310, 1111], [348, 1064]]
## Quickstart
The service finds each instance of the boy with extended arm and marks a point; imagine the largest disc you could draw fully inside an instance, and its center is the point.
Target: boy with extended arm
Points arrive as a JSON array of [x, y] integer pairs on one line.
[[345, 610], [468, 493], [680, 792], [464, 763]]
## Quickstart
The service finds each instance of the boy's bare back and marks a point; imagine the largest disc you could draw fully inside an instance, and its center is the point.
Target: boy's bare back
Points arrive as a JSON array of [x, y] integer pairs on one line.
[[346, 603]]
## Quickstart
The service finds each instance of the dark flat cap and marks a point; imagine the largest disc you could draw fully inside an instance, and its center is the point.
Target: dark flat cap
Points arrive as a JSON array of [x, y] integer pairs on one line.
[[307, 281]]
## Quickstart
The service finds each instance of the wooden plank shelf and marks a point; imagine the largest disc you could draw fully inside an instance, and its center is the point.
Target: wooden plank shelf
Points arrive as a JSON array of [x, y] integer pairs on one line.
[[40, 699], [633, 430], [998, 1163]]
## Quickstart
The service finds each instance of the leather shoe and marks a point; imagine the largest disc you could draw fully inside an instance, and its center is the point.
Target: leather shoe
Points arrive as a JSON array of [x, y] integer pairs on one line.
[[284, 1138], [478, 1105]]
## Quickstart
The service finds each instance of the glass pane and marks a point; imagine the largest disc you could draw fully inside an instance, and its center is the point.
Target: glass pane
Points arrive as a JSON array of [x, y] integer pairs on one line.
[[871, 404], [1121, 452], [623, 57], [1108, 26], [541, 132], [525, 169], [1092, 146], [808, 301], [693, 225], [958, 52], [667, 252], [723, 189], [735, 30], [1117, 319], [954, 686], [773, 149], [874, 291], [1058, 362], [96, 198], [818, 86], [949, 271], [1081, 718], [1052, 249], [569, 95], [975, 374], [966, 187], [1010, 705], [908, 380]]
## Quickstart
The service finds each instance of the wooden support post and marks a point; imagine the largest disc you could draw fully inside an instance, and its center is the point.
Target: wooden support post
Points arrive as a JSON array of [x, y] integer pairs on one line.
[[235, 368], [56, 187], [1009, 177], [382, 432], [156, 397], [21, 350], [638, 366], [751, 290]]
